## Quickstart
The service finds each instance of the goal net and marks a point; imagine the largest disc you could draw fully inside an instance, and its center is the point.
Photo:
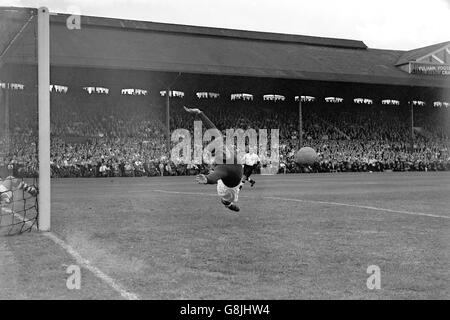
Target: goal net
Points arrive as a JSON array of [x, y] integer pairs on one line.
[[18, 206], [19, 120]]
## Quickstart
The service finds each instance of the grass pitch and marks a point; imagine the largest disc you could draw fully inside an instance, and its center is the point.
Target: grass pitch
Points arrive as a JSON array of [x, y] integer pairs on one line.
[[296, 237]]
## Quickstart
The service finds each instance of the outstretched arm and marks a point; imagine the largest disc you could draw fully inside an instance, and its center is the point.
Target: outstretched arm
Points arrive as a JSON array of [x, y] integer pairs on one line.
[[213, 177], [209, 124]]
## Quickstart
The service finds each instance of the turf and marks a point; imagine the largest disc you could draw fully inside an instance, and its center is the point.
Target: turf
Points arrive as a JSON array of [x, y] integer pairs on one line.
[[296, 237]]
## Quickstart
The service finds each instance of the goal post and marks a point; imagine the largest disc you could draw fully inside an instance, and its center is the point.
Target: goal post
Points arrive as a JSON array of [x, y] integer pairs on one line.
[[43, 55]]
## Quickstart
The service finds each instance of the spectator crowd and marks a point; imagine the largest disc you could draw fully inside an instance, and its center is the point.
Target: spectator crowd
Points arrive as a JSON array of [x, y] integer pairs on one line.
[[128, 138]]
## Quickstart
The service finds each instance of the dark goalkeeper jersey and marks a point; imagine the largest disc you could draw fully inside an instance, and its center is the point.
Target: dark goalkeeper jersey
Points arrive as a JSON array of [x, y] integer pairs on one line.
[[231, 175]]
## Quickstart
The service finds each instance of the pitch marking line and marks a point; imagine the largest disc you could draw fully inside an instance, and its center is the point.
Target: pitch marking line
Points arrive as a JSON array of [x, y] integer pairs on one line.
[[84, 262], [322, 202], [363, 207]]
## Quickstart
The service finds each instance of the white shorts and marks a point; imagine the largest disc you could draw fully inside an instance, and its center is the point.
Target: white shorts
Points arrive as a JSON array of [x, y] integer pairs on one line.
[[227, 194]]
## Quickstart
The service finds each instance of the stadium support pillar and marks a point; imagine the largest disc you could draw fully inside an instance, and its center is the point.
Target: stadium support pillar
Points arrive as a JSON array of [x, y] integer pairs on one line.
[[168, 120], [300, 123], [2, 113], [7, 94], [411, 106], [4, 116], [43, 51]]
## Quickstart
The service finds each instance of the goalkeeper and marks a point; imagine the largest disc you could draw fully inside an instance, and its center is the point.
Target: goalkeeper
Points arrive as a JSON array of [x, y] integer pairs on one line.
[[227, 176], [9, 185]]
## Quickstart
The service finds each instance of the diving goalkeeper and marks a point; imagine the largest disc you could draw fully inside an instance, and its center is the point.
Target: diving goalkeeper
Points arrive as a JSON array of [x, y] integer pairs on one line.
[[9, 185], [228, 177]]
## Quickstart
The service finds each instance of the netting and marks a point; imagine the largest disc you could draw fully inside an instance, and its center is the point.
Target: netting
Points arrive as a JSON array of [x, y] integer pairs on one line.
[[18, 120], [18, 206]]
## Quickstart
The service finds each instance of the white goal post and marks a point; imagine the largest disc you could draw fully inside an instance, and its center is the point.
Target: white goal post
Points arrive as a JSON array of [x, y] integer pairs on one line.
[[43, 44]]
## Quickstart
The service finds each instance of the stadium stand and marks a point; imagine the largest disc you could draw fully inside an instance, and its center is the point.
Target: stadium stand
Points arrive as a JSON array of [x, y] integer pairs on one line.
[[121, 135], [105, 141]]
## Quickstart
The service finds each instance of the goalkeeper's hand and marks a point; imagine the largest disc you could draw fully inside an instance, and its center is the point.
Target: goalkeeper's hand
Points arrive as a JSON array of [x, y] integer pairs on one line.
[[192, 110], [201, 179]]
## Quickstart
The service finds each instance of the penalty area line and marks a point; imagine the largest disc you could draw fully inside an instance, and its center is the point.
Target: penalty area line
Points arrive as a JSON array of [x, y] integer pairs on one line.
[[84, 262], [320, 202], [362, 207]]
